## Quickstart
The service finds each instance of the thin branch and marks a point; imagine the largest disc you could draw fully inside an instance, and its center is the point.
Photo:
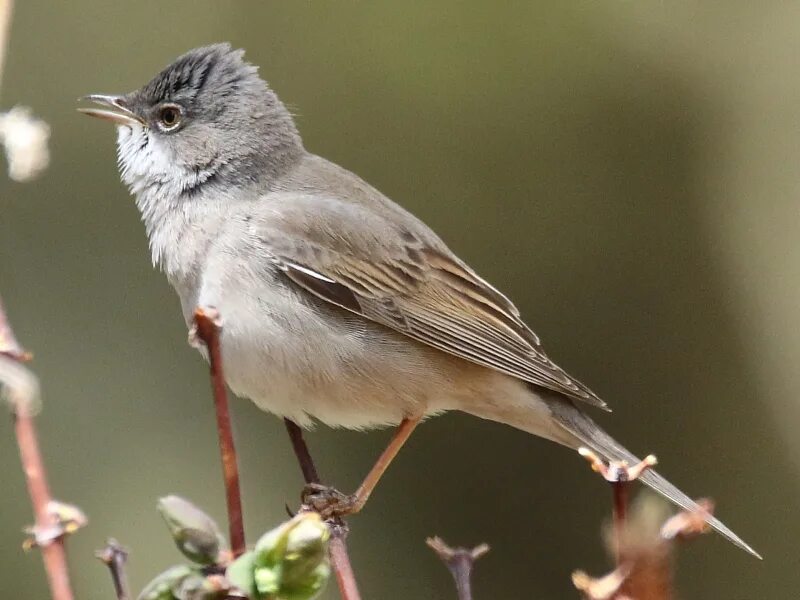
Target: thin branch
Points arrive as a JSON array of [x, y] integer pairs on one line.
[[53, 553], [646, 571], [114, 557], [460, 562], [689, 524], [619, 474], [340, 560], [619, 490], [300, 447], [207, 328], [337, 549], [48, 531]]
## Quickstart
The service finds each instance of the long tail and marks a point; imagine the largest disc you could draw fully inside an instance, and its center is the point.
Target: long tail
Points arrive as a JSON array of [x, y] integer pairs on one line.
[[589, 434]]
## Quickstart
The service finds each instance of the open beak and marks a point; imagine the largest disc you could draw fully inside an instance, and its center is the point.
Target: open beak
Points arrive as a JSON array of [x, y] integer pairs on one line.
[[120, 115]]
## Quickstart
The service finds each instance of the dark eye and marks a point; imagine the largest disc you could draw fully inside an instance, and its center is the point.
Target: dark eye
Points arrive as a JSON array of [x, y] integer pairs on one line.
[[169, 117]]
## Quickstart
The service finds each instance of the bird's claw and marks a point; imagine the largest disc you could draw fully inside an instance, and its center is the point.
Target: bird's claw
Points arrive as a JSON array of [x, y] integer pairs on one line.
[[329, 502]]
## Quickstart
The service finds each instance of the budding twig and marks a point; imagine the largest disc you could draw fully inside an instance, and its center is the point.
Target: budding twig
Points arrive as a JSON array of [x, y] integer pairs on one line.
[[602, 588], [459, 562], [646, 569], [114, 557], [22, 391], [689, 524], [619, 474], [207, 328], [337, 547]]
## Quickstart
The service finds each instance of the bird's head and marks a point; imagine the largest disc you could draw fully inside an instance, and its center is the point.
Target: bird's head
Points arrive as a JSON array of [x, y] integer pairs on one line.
[[206, 118]]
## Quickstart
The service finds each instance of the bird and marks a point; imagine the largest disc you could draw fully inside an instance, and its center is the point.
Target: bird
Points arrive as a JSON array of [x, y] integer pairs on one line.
[[339, 306]]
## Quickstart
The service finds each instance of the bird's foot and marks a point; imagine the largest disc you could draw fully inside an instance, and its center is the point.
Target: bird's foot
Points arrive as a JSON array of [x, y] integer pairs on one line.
[[330, 503]]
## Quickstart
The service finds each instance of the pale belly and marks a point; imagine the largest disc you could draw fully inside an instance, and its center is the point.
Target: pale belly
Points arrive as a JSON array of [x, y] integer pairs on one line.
[[301, 358], [316, 362]]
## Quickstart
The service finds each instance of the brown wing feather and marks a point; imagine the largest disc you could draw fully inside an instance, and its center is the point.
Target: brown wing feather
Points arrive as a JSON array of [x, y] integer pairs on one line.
[[436, 300], [369, 256]]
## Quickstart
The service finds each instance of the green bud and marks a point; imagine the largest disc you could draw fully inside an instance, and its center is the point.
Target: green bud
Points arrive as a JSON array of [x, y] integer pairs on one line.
[[164, 585], [291, 561], [241, 574], [308, 586], [267, 581], [199, 587], [195, 533]]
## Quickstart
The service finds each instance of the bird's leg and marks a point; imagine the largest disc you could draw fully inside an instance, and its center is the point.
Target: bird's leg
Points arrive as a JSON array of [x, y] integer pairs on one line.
[[329, 502]]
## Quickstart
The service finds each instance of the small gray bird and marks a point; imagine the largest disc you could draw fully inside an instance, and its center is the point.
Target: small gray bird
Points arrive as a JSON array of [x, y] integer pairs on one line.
[[338, 305]]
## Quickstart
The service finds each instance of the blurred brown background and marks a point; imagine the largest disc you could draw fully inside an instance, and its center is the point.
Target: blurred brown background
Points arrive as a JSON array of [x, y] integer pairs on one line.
[[625, 171]]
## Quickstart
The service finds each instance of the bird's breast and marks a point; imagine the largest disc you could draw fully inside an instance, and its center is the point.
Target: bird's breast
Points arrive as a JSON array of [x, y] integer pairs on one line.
[[299, 358]]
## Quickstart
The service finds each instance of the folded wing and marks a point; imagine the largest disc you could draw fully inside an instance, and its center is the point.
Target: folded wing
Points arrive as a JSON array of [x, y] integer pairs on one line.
[[406, 279]]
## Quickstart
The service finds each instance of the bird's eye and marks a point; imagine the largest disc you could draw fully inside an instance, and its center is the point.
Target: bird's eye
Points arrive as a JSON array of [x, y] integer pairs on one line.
[[169, 117]]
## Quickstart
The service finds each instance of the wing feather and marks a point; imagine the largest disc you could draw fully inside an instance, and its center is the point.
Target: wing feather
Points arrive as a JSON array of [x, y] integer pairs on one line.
[[378, 261], [446, 307]]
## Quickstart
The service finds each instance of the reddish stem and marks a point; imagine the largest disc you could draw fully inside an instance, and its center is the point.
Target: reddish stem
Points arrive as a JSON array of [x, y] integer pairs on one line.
[[208, 330], [343, 569], [300, 448], [620, 490], [337, 549], [53, 553]]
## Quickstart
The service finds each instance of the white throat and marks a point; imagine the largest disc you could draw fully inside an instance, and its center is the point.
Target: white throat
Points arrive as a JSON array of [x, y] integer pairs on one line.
[[171, 214]]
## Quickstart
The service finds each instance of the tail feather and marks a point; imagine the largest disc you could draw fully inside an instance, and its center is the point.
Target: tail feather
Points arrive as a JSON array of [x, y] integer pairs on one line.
[[592, 436]]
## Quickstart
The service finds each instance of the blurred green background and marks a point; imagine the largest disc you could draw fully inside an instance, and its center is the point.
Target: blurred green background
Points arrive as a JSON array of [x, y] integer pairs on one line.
[[625, 171]]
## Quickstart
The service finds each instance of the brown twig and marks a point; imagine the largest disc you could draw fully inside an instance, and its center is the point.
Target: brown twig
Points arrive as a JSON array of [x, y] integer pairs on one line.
[[48, 531], [114, 557], [459, 562], [340, 560], [689, 524], [619, 474], [337, 549], [207, 328], [53, 553], [300, 447], [646, 572], [642, 541]]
